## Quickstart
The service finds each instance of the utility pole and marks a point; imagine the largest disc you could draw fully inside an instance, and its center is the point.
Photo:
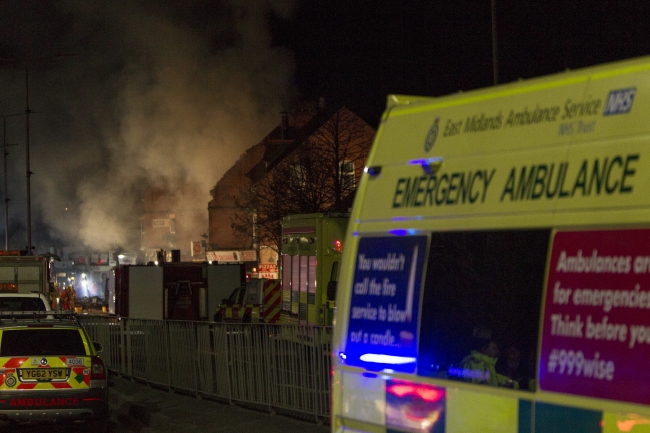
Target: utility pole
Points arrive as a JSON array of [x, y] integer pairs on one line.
[[495, 56], [6, 153], [27, 111]]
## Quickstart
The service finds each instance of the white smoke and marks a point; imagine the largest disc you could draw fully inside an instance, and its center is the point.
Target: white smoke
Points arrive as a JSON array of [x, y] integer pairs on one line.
[[157, 92]]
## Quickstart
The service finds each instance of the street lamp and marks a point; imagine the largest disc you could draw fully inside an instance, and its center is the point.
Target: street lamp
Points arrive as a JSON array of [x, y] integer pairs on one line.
[[27, 111], [6, 153]]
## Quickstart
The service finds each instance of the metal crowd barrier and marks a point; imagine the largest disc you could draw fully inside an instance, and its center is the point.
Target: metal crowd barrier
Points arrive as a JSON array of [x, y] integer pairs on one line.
[[275, 367]]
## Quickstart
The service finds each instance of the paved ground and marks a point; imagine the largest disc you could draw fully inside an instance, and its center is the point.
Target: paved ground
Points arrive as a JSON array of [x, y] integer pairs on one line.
[[139, 408]]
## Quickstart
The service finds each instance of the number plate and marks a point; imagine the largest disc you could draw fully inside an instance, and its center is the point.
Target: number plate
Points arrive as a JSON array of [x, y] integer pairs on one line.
[[42, 373]]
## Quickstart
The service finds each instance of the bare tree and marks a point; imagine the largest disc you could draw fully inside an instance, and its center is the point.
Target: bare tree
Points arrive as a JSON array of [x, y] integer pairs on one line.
[[320, 175]]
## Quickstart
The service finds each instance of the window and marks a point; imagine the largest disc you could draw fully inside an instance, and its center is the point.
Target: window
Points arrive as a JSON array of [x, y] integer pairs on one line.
[[482, 294], [286, 283], [42, 342], [21, 304], [346, 168], [298, 176]]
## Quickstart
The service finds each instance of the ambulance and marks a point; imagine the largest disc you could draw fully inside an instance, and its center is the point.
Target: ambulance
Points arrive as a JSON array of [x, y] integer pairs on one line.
[[310, 256], [496, 275]]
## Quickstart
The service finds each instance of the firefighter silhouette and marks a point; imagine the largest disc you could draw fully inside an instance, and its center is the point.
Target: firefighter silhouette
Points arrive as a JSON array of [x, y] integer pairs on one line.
[[55, 296], [69, 297]]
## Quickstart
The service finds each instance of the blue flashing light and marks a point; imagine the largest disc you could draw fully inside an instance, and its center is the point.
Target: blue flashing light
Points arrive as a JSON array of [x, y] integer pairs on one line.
[[355, 233], [373, 171], [387, 359], [425, 161], [429, 165], [403, 232]]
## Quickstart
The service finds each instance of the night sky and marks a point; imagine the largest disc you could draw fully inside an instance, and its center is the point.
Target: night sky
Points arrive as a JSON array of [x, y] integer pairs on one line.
[[365, 50], [175, 91]]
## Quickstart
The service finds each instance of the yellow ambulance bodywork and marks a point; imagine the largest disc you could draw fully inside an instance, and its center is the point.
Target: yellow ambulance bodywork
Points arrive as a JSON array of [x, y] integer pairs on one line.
[[570, 150], [310, 253]]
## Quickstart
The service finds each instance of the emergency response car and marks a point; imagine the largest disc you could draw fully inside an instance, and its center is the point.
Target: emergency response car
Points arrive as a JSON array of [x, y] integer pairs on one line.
[[24, 302], [50, 371], [256, 302]]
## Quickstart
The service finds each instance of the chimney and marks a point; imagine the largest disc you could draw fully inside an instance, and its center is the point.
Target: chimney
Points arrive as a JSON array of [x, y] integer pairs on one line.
[[321, 108], [285, 124]]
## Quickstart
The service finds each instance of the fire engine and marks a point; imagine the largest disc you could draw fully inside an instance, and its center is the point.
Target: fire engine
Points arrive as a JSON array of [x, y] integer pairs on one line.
[[174, 290], [256, 302], [23, 274], [310, 256]]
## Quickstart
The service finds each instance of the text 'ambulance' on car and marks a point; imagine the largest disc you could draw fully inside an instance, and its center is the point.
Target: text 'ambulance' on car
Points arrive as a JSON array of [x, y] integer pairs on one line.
[[50, 371]]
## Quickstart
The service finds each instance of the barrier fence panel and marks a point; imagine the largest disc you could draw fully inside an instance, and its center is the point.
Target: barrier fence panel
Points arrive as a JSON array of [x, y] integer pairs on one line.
[[204, 366], [252, 363], [183, 353], [156, 350], [106, 331], [219, 349], [275, 366], [303, 366]]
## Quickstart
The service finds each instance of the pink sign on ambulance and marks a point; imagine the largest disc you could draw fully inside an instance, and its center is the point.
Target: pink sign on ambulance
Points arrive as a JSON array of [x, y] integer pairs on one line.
[[596, 329]]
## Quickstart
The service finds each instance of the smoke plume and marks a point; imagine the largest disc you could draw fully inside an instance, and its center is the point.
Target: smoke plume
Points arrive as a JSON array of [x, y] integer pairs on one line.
[[146, 93]]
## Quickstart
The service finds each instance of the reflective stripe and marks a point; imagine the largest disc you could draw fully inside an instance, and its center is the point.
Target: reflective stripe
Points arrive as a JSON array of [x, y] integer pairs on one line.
[[469, 411], [405, 405], [13, 362], [79, 375], [268, 312], [625, 422], [272, 301], [237, 313], [272, 315]]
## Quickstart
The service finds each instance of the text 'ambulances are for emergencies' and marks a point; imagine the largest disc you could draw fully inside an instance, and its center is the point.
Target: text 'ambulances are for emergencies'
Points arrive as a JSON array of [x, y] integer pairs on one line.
[[595, 313]]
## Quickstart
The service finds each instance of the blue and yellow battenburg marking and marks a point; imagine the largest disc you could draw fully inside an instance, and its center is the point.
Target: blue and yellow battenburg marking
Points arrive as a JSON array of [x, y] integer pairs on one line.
[[424, 408]]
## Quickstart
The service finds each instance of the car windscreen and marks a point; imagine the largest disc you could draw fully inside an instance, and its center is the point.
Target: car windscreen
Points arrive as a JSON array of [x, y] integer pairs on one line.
[[26, 303], [41, 342]]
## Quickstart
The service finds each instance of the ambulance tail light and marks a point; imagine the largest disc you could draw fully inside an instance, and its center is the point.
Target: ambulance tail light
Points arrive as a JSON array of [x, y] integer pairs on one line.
[[427, 393], [98, 369], [337, 245]]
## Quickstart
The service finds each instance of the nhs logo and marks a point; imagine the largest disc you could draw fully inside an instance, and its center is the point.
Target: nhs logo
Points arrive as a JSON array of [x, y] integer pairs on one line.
[[619, 101]]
